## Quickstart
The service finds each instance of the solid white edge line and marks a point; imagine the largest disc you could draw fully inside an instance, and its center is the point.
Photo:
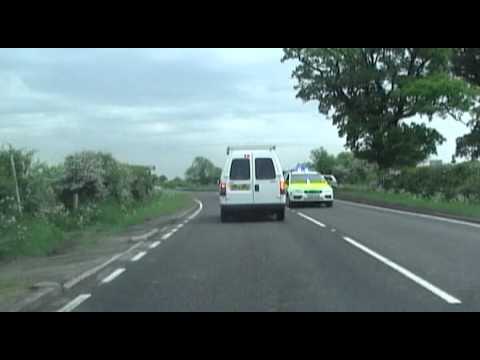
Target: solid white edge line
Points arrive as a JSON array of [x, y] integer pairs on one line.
[[179, 226], [75, 303], [140, 255], [407, 273], [425, 216], [198, 211], [113, 275], [154, 245], [312, 220]]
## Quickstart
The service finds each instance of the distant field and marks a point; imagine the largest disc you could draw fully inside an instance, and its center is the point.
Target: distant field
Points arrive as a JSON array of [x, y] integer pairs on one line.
[[199, 188], [385, 198], [193, 187]]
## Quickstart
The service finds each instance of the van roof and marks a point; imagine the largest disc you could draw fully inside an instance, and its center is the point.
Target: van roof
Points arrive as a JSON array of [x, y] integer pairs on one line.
[[250, 147]]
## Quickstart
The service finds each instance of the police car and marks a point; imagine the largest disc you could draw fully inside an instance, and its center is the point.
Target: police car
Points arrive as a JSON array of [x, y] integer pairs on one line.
[[305, 186]]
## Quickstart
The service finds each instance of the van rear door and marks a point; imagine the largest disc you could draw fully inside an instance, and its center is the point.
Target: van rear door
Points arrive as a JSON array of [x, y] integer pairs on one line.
[[267, 182], [239, 185]]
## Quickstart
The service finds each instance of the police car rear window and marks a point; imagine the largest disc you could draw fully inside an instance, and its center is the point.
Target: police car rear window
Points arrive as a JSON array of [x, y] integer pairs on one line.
[[240, 169], [264, 169]]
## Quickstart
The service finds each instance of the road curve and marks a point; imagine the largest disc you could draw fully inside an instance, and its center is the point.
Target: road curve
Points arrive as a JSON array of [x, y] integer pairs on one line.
[[345, 258]]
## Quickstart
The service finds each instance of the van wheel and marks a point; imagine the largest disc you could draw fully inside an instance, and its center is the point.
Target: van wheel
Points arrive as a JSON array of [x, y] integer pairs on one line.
[[281, 215]]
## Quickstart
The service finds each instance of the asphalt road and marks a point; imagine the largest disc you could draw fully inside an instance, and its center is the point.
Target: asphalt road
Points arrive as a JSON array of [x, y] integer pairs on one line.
[[345, 258]]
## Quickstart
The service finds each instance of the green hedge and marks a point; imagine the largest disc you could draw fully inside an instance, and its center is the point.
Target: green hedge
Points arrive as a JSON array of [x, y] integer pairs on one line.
[[47, 192], [459, 182]]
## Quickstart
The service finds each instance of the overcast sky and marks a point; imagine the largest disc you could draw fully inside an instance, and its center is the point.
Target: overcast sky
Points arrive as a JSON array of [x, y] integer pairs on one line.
[[162, 107]]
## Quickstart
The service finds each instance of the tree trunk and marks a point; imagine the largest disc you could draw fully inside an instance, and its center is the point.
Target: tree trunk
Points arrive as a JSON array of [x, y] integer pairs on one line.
[[381, 175], [17, 190], [75, 201]]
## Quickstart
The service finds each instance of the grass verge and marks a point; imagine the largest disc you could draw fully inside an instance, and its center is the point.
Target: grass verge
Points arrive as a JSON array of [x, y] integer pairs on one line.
[[408, 201], [39, 237]]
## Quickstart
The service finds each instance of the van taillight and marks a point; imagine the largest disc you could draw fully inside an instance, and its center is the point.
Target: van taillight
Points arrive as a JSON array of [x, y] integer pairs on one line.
[[282, 187], [223, 189]]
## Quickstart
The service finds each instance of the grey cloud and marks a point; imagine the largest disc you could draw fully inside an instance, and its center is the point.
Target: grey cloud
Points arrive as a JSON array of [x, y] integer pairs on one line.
[[157, 106], [132, 80]]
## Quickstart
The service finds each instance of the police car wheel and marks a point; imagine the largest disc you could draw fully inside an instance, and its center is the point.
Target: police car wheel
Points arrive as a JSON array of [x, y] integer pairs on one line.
[[281, 215], [329, 204]]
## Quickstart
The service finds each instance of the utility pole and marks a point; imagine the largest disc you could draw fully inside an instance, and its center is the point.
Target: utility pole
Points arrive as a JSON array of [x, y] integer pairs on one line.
[[17, 191]]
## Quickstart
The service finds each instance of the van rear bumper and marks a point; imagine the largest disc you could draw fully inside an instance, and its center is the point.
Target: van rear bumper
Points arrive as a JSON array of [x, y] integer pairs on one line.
[[253, 207]]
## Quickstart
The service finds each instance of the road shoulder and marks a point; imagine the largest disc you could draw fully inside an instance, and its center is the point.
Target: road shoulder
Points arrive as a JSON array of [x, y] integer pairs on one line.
[[26, 283], [405, 208]]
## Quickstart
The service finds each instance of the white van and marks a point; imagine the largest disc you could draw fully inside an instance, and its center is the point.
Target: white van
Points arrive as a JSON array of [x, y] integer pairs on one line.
[[332, 180], [252, 180]]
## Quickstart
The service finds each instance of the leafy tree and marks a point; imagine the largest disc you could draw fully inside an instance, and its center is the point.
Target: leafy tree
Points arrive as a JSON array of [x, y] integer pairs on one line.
[[40, 193], [345, 159], [466, 64], [322, 161], [142, 184], [162, 179], [469, 144], [84, 177], [370, 92], [351, 170], [177, 181], [203, 172], [174, 183]]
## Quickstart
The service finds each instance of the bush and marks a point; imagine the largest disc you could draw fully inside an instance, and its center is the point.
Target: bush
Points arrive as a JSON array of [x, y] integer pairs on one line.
[[83, 175], [110, 192], [40, 196], [143, 182], [96, 176], [447, 182], [47, 192]]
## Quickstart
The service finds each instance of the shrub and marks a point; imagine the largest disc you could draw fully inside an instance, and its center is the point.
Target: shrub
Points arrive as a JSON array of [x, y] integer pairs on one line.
[[84, 175], [449, 182]]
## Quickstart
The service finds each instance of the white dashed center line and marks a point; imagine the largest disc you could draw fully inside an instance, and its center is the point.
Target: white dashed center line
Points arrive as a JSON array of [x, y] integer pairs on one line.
[[75, 303], [166, 236], [311, 219], [154, 245], [113, 276], [139, 256], [407, 273], [83, 297]]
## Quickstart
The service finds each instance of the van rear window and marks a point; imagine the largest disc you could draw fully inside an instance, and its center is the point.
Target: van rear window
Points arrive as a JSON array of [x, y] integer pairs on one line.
[[264, 169], [240, 169]]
